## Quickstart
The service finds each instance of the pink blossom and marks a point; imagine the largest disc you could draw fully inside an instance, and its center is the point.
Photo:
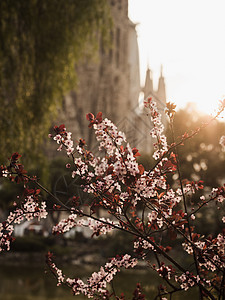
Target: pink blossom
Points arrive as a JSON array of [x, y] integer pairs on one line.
[[222, 141]]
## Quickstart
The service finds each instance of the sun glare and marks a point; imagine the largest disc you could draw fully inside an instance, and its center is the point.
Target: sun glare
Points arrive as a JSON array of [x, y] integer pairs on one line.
[[187, 38]]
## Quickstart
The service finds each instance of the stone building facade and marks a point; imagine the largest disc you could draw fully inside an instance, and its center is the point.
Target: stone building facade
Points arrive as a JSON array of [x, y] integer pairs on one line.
[[111, 85]]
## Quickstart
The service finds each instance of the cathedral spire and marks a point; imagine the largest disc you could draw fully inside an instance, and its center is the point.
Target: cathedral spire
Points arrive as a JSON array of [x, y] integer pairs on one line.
[[161, 92], [161, 71], [148, 88]]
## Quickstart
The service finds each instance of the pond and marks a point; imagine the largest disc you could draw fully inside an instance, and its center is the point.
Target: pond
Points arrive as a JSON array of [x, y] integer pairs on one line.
[[33, 281]]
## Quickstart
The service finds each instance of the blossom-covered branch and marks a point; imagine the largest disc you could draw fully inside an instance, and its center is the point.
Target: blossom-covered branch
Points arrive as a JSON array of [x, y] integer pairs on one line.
[[138, 202]]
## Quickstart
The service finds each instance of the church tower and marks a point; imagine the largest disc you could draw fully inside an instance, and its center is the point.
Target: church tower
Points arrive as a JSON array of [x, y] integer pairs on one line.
[[148, 88], [161, 92]]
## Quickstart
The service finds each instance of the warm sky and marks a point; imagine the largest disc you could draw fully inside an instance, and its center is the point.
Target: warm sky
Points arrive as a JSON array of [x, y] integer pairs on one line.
[[188, 38]]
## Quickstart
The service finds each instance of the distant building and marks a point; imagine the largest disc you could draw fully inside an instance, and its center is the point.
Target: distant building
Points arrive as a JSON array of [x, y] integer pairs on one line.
[[159, 96], [112, 85]]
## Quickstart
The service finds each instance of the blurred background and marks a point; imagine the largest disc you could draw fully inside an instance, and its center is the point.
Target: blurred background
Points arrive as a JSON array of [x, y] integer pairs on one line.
[[61, 59]]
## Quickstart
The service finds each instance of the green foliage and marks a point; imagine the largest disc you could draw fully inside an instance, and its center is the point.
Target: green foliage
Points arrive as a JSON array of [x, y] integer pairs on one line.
[[8, 192], [41, 41]]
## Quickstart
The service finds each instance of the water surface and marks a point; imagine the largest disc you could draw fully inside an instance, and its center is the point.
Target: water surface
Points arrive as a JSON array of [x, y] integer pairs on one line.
[[34, 282]]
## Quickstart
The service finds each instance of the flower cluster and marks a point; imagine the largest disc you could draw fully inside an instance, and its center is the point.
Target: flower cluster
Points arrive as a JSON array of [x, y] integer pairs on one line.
[[63, 138], [165, 271], [120, 184], [140, 245], [97, 282], [15, 170], [30, 208], [101, 226], [188, 280], [157, 131], [141, 203]]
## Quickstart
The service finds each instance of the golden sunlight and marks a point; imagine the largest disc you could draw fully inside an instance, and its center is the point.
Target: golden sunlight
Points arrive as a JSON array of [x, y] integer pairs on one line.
[[187, 38]]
